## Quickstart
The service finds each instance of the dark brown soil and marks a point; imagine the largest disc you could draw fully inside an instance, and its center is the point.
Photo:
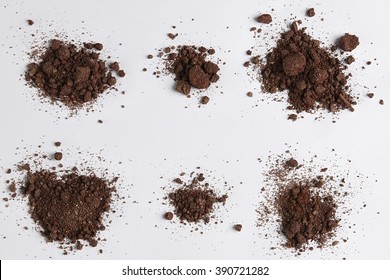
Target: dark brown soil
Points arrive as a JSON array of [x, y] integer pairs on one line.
[[72, 75], [264, 18], [313, 77], [191, 68], [302, 203], [238, 227], [195, 201], [168, 216], [348, 42], [69, 208], [350, 59], [58, 155], [310, 12], [305, 215]]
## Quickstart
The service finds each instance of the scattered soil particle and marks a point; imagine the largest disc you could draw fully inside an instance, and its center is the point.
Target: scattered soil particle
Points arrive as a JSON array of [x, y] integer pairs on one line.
[[178, 181], [350, 59], [238, 227], [24, 167], [12, 187], [57, 144], [121, 73], [292, 117], [204, 100], [58, 156], [79, 246], [312, 76], [68, 208], [8, 171], [150, 56], [310, 12], [69, 74], [168, 216], [264, 18], [291, 163], [381, 102], [249, 94], [370, 95], [172, 36], [195, 201], [348, 42], [30, 22]]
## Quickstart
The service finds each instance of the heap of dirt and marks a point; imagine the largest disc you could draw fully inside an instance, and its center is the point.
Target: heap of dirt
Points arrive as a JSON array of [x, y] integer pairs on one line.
[[69, 208], [312, 75], [194, 201], [72, 75], [69, 205], [302, 203], [192, 68], [306, 215]]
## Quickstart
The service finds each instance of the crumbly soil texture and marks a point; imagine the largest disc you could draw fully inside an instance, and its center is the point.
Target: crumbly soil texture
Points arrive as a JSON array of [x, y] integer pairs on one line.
[[72, 75], [304, 205], [192, 68], [69, 205], [313, 77], [194, 201]]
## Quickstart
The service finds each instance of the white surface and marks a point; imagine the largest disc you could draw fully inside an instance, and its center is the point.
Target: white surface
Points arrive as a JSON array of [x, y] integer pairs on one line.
[[156, 136]]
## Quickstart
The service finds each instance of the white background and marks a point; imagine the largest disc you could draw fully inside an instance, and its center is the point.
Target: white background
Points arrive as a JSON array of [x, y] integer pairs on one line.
[[155, 135]]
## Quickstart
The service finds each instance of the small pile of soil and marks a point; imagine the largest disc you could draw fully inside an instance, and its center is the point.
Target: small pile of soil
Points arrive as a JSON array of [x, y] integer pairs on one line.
[[191, 68], [313, 77], [70, 208], [70, 74], [302, 203], [305, 215], [194, 202]]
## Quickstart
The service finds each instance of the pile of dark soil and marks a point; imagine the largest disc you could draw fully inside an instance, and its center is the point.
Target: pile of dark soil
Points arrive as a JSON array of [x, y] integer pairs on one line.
[[69, 208], [191, 68], [305, 215], [72, 75], [303, 205], [194, 201], [312, 75]]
